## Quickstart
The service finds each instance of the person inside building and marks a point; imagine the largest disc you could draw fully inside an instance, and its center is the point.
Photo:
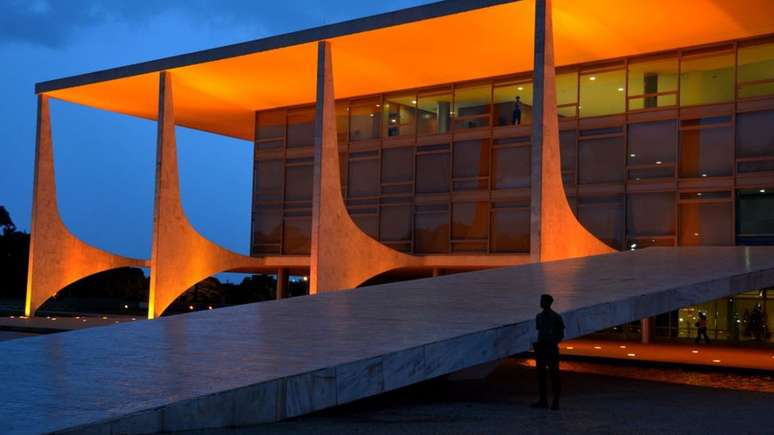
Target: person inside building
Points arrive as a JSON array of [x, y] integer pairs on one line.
[[550, 329], [517, 111], [701, 328]]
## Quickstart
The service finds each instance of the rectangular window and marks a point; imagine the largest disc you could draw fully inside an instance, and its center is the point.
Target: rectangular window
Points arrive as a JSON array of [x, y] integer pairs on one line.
[[601, 160], [471, 164], [432, 174], [567, 95], [510, 229], [505, 103], [297, 236], [602, 92], [755, 77], [301, 128], [755, 134], [706, 150], [512, 163], [397, 169], [470, 221], [395, 222], [604, 217], [707, 77], [652, 149], [472, 106], [298, 182], [652, 83], [650, 214], [400, 115], [431, 233], [755, 216], [270, 124], [267, 228], [434, 112], [267, 180], [364, 120], [364, 177], [706, 223]]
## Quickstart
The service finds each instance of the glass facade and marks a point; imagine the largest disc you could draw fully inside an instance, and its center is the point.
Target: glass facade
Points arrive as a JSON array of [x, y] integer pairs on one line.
[[673, 149]]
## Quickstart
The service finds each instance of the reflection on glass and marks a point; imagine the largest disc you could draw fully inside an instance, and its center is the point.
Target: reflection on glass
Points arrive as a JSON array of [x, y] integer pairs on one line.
[[363, 177], [399, 115], [471, 158], [298, 183], [510, 229], [649, 80], [511, 167], [601, 160], [470, 220], [756, 70], [505, 103], [434, 113], [270, 124], [395, 223], [652, 149], [706, 152], [431, 234], [363, 119], [567, 94], [267, 180], [705, 224], [707, 78], [754, 134], [602, 93], [297, 236], [651, 214], [432, 173], [301, 128], [267, 228], [397, 165], [472, 105]]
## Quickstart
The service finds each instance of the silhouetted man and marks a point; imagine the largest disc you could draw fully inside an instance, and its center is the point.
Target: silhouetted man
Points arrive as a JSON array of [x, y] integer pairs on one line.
[[550, 329], [517, 111]]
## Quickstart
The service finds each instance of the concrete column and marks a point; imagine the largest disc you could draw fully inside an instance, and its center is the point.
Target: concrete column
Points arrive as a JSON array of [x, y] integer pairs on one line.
[[342, 256], [646, 330], [282, 283], [57, 257], [180, 256], [555, 233]]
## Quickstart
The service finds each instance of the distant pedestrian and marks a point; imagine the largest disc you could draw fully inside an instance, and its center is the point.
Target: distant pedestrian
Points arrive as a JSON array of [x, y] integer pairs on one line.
[[550, 329], [756, 323], [517, 111], [701, 328]]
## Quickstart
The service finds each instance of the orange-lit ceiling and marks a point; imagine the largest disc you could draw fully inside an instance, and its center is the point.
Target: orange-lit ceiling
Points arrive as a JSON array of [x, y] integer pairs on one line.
[[220, 96]]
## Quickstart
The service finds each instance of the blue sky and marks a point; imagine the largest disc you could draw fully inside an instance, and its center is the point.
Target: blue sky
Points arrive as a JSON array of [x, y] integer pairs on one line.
[[105, 162]]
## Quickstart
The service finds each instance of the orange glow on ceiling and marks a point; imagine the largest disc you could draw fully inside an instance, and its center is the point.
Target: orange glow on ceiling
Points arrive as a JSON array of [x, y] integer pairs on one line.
[[220, 96]]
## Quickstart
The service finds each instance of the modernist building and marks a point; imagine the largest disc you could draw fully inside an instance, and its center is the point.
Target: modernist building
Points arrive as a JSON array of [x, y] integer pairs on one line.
[[665, 131]]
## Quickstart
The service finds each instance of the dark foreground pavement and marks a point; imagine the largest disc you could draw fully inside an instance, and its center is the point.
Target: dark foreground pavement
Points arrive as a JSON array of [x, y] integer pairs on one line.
[[592, 403]]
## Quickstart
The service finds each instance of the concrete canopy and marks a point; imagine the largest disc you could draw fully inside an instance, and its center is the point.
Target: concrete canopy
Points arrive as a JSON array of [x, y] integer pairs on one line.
[[218, 90]]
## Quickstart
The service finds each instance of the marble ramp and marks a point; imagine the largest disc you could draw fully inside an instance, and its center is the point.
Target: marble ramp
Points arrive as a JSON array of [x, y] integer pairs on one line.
[[273, 360]]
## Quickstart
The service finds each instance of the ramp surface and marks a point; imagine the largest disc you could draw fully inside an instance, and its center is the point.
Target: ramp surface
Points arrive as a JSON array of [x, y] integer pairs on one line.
[[272, 360]]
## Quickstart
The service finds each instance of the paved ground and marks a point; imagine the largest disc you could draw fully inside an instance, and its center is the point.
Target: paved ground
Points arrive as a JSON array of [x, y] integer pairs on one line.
[[592, 403]]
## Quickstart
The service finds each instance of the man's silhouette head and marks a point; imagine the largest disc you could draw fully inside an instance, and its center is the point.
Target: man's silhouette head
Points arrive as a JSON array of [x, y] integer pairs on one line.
[[518, 98], [546, 301]]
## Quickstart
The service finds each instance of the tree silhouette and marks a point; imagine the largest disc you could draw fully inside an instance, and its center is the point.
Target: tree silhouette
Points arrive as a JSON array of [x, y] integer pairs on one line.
[[14, 254]]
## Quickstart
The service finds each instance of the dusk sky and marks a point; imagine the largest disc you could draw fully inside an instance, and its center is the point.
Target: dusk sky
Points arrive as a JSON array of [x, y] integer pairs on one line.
[[105, 161]]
